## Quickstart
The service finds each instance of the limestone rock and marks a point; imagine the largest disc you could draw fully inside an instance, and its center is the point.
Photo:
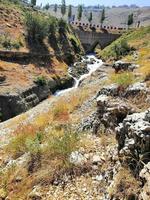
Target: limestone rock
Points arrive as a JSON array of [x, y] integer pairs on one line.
[[133, 136], [110, 112], [145, 174], [123, 66], [136, 88], [77, 158]]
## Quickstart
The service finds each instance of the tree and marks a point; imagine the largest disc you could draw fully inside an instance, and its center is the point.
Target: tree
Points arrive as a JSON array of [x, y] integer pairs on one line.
[[63, 7], [37, 27], [103, 16], [69, 11], [80, 10], [47, 6], [55, 8], [90, 17], [33, 2], [130, 19]]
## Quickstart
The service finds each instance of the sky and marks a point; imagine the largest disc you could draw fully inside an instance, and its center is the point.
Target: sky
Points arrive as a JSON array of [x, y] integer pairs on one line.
[[96, 2]]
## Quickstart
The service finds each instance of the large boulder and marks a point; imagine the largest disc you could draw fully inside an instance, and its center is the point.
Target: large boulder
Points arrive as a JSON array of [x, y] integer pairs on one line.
[[110, 112], [123, 66], [136, 88], [133, 136], [78, 69]]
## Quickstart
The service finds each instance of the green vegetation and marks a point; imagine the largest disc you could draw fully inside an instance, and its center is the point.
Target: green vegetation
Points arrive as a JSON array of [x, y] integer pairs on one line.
[[41, 80], [130, 19], [47, 6], [63, 145], [7, 43], [55, 8], [63, 7], [69, 11], [62, 26], [33, 2], [37, 26], [123, 79], [80, 10], [90, 17], [133, 39], [103, 16], [121, 49]]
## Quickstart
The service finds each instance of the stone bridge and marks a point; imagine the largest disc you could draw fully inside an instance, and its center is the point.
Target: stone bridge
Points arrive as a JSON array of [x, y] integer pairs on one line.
[[90, 39]]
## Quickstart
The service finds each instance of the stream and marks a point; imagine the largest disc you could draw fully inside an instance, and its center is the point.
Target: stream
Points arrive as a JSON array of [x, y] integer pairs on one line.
[[91, 68]]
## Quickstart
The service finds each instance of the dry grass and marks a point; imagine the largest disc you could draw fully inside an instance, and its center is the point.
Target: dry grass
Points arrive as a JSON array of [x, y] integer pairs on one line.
[[124, 184], [123, 79]]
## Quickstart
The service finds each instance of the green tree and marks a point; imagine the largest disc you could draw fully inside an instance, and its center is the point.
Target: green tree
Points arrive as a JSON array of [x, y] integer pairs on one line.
[[90, 17], [37, 27], [69, 11], [103, 16], [130, 19], [55, 8], [80, 10], [63, 8], [47, 6], [33, 2]]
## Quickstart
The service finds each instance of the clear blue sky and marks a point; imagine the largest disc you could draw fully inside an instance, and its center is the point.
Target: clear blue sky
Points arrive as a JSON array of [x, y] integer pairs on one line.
[[100, 2]]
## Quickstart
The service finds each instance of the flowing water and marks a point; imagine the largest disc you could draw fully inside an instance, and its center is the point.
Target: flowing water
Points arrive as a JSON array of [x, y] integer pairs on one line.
[[91, 67]]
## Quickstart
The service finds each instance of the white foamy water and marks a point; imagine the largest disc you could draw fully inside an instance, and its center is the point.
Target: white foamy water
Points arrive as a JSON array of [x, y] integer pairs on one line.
[[91, 67]]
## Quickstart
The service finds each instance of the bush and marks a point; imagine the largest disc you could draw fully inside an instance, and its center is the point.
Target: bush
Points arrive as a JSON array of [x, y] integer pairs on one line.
[[121, 49], [37, 27], [52, 26], [41, 81], [7, 43], [62, 25], [63, 145]]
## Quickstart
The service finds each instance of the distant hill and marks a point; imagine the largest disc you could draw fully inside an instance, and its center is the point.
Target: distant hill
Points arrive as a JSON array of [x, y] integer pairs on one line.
[[115, 16]]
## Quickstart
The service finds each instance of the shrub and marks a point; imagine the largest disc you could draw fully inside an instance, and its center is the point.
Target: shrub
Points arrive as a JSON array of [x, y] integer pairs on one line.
[[37, 27], [121, 49], [63, 145], [7, 43], [41, 80], [52, 27], [62, 25]]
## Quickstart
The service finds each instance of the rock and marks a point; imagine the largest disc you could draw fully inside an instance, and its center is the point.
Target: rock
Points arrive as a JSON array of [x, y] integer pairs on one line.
[[133, 136], [96, 159], [99, 178], [110, 112], [35, 194], [145, 174], [79, 69], [9, 25], [123, 66], [77, 158], [110, 90], [135, 89]]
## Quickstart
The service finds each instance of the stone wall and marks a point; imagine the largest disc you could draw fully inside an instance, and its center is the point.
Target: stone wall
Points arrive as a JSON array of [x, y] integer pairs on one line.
[[90, 39]]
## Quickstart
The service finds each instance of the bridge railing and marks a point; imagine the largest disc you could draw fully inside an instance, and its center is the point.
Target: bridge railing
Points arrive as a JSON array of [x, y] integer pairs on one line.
[[96, 26]]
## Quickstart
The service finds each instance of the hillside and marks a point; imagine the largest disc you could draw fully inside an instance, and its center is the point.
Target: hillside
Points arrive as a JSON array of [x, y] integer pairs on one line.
[[116, 17], [26, 65]]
